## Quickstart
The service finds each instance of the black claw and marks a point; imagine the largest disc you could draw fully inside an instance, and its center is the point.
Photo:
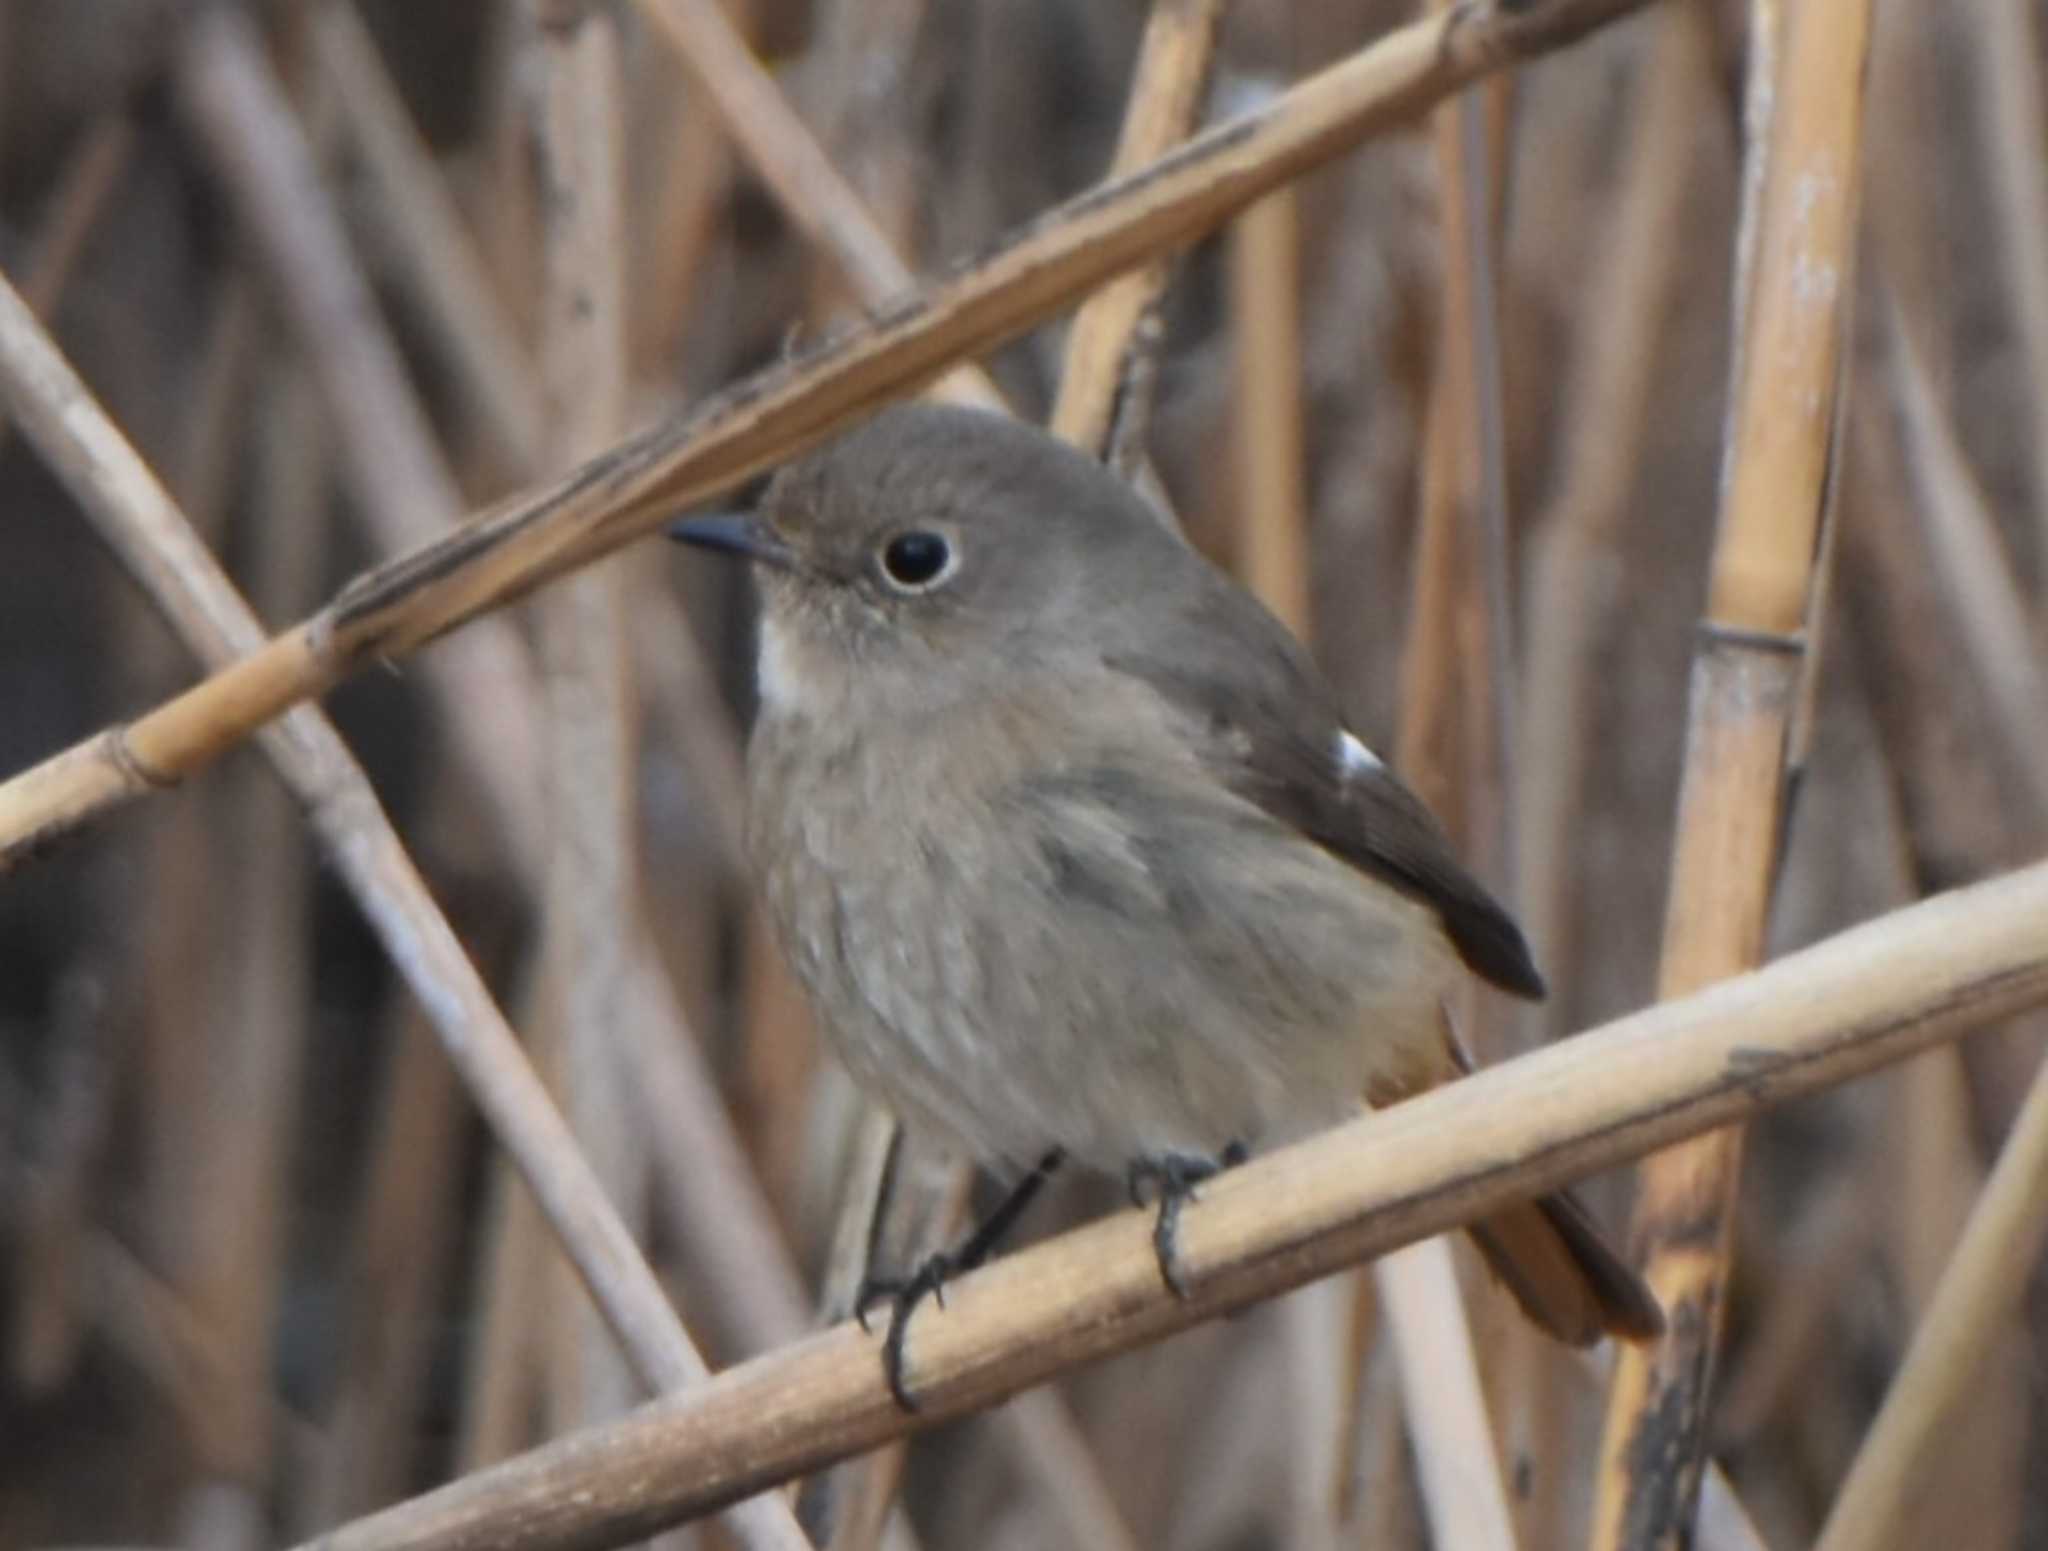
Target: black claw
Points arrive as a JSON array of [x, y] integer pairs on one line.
[[903, 1294], [1175, 1176]]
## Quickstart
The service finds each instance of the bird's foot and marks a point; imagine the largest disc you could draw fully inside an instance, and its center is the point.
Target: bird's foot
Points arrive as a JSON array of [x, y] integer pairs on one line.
[[1173, 1177], [903, 1294]]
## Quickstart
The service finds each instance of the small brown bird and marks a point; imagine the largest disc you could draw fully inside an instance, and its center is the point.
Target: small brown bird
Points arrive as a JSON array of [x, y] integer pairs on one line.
[[1074, 853]]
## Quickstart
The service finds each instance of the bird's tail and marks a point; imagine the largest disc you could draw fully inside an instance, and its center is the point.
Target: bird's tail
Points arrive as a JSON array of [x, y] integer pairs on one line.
[[1564, 1275], [1547, 1252]]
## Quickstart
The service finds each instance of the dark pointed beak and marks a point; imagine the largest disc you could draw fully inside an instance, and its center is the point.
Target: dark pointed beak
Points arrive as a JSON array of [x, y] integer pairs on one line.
[[736, 533]]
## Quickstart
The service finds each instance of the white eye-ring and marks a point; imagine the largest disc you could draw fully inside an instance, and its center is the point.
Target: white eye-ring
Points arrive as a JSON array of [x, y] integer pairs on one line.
[[917, 560]]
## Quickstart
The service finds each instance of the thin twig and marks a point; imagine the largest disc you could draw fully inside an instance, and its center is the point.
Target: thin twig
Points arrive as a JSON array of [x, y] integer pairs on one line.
[[1746, 677]]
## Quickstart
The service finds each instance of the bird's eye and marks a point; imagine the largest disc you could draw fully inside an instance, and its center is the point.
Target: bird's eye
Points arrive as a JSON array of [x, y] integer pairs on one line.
[[917, 560]]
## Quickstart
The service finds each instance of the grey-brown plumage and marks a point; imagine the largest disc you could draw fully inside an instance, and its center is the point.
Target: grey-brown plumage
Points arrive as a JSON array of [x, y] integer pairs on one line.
[[1070, 845]]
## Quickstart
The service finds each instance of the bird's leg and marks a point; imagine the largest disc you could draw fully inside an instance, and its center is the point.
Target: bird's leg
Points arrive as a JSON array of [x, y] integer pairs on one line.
[[904, 1293], [1174, 1175]]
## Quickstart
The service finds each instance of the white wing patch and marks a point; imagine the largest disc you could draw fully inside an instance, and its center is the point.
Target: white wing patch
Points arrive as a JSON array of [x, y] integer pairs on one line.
[[1354, 759]]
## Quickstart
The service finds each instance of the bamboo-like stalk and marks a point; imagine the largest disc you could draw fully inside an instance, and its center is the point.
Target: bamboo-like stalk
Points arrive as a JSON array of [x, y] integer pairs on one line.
[[1473, 183], [1813, 1019], [254, 1049], [1104, 343], [632, 488], [1792, 309], [1270, 513], [590, 922]]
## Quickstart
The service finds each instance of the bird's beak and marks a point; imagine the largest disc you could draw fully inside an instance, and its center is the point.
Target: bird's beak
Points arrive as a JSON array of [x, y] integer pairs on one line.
[[737, 533]]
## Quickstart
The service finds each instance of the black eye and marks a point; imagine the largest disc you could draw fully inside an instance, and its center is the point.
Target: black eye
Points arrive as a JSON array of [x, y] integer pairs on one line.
[[916, 559]]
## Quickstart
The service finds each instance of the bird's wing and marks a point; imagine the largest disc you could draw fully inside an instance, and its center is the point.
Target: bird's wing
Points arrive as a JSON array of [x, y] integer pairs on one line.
[[1270, 728]]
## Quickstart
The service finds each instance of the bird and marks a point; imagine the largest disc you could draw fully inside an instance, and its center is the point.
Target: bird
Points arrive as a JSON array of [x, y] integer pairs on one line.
[[1076, 855]]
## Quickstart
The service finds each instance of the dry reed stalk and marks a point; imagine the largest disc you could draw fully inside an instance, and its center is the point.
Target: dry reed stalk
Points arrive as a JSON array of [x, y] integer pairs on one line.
[[443, 267], [632, 488], [47, 1308], [845, 1498], [1039, 1428], [1269, 541], [488, 361], [400, 483], [1269, 513], [441, 264], [234, 1281], [1472, 164], [209, 457], [1745, 682], [742, 1279], [85, 183], [1925, 1441], [501, 1387], [493, 369], [1428, 747], [45, 1315], [1971, 1307], [397, 1262], [2005, 41], [679, 233], [1458, 1466], [137, 519], [1972, 570], [1316, 1327], [589, 921], [1810, 1020], [1462, 1491], [1833, 1236], [867, 101], [1105, 345], [1608, 396], [1937, 729], [810, 190]]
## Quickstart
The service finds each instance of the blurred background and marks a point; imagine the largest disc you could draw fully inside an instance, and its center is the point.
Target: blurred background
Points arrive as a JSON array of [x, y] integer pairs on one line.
[[260, 1269]]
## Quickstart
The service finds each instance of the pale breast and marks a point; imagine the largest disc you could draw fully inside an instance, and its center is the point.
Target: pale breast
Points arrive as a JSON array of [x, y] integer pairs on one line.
[[1020, 937]]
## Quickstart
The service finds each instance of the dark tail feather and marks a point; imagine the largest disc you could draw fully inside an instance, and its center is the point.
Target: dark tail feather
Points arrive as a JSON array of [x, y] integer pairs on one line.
[[1564, 1275]]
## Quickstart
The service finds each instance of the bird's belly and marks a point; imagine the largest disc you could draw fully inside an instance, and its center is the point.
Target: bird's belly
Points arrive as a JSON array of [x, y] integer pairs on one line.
[[1006, 1021]]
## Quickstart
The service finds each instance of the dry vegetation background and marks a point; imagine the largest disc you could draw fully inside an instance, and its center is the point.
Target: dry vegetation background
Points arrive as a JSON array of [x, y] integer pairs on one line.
[[262, 1269]]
